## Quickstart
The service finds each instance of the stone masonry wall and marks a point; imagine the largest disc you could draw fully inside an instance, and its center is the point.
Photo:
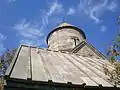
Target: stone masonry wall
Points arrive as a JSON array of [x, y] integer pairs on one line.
[[64, 39]]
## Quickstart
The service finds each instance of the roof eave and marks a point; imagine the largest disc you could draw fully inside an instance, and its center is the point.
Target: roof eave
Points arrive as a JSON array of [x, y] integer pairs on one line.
[[12, 82]]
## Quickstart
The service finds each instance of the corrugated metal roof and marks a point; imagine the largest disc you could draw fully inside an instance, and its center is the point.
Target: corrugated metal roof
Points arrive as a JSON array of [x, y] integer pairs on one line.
[[43, 65]]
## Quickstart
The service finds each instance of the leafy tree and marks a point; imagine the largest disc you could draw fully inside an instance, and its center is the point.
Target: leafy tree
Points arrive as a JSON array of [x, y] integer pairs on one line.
[[113, 57], [5, 60]]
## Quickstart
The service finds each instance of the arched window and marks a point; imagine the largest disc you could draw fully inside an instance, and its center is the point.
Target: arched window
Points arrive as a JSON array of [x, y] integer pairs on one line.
[[76, 39]]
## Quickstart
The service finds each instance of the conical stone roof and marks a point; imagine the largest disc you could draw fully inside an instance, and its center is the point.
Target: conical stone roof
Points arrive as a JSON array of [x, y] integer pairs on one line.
[[64, 24]]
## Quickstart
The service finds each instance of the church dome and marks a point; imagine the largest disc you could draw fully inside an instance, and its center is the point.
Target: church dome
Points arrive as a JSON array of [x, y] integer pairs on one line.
[[64, 24], [65, 37]]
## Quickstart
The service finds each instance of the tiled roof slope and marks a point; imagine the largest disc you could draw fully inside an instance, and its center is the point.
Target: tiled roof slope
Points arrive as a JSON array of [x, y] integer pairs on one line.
[[43, 65]]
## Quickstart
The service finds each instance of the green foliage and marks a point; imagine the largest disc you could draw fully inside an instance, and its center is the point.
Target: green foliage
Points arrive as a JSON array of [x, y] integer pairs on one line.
[[5, 60], [114, 75], [113, 57]]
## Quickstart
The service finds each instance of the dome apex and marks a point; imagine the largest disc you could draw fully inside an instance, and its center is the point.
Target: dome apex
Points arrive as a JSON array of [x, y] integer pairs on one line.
[[64, 24]]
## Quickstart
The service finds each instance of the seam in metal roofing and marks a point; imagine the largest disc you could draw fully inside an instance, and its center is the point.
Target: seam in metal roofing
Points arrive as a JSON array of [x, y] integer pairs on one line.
[[44, 65]]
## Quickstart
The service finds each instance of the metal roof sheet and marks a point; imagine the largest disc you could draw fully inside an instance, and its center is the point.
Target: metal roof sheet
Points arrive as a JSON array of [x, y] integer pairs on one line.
[[43, 65]]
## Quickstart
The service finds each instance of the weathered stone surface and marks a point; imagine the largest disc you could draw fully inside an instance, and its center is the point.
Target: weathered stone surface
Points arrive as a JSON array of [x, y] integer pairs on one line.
[[87, 52], [64, 39]]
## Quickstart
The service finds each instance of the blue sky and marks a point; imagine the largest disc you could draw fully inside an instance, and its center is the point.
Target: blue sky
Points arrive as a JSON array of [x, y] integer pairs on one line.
[[30, 21]]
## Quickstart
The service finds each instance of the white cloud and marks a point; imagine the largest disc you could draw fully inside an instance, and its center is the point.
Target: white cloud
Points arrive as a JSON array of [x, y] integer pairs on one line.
[[103, 28], [30, 42], [27, 30], [11, 1], [112, 6], [40, 41], [71, 11], [2, 38], [54, 8], [96, 10], [2, 48], [30, 33]]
